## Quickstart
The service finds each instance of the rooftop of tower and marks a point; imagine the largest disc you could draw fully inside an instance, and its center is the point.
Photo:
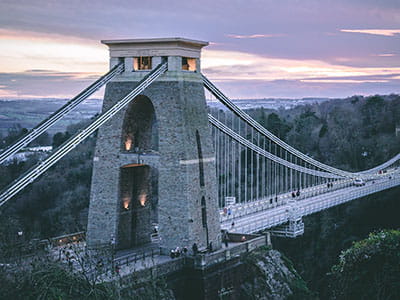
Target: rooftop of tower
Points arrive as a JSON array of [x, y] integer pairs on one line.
[[174, 46]]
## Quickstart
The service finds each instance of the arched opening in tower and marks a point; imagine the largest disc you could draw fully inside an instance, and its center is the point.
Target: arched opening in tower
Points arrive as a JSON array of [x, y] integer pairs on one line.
[[138, 203], [140, 130]]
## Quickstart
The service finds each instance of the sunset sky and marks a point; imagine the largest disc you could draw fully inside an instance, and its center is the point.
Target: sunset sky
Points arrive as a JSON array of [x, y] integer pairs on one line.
[[258, 48]]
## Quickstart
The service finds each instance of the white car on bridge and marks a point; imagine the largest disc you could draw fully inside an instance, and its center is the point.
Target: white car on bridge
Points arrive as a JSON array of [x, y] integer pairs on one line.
[[359, 182]]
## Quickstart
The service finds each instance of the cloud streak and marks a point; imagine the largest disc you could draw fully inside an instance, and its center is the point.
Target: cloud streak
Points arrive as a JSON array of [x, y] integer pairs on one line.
[[263, 45], [246, 66], [22, 49], [385, 55], [384, 32], [247, 75], [343, 81], [253, 36], [229, 68], [44, 83]]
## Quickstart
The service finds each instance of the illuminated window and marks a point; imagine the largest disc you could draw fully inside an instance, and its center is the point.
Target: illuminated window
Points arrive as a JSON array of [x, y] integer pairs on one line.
[[188, 64], [142, 63]]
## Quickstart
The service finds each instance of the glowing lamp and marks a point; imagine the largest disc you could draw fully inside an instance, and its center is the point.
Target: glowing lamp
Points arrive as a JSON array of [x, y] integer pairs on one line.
[[142, 199], [128, 143], [126, 201]]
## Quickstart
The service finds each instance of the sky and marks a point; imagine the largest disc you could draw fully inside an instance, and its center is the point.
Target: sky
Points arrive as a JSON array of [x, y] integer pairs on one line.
[[258, 48]]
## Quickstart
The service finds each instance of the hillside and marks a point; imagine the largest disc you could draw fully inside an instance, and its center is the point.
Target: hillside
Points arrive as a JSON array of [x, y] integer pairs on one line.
[[29, 112], [337, 132]]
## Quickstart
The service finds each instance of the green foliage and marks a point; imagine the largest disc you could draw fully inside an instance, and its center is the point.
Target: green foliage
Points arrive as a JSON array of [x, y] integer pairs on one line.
[[153, 289], [373, 110], [329, 232], [337, 132], [370, 269], [323, 131], [354, 99], [44, 279], [57, 203], [60, 138], [10, 242], [277, 126], [15, 132], [375, 101], [297, 284]]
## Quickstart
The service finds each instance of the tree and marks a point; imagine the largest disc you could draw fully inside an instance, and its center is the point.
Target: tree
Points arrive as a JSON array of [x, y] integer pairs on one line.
[[372, 113], [14, 133], [60, 138], [277, 126], [370, 269], [42, 140], [44, 278]]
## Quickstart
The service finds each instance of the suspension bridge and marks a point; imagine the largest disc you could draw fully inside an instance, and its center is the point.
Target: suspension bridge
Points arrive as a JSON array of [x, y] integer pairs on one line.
[[215, 169]]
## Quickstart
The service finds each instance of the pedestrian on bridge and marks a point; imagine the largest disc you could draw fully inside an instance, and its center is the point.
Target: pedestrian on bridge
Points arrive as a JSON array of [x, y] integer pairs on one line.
[[210, 247], [195, 249], [225, 238]]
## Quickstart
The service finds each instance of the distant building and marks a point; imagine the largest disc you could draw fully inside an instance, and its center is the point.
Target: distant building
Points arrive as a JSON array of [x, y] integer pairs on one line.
[[29, 151]]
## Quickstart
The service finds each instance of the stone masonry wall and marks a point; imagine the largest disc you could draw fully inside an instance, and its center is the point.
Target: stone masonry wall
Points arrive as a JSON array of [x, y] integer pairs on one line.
[[180, 109]]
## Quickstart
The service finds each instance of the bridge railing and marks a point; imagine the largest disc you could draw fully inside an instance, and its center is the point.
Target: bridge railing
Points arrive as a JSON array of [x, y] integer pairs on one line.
[[279, 215], [206, 260], [250, 226], [332, 200], [137, 257], [242, 209], [268, 218]]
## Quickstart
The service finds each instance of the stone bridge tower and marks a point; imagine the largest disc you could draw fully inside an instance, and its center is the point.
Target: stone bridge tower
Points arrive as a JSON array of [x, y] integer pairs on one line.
[[154, 163]]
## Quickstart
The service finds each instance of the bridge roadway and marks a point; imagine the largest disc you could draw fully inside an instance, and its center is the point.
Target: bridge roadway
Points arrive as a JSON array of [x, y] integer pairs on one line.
[[257, 217]]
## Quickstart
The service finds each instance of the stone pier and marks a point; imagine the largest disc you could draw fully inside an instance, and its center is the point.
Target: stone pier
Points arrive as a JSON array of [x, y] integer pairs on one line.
[[154, 163]]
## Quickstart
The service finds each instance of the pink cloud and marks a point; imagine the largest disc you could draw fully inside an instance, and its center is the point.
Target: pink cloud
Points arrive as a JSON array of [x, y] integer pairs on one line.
[[385, 55], [253, 36], [384, 32]]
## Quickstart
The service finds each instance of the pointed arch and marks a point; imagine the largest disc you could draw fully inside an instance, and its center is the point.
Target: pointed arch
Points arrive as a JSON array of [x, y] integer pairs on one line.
[[140, 130]]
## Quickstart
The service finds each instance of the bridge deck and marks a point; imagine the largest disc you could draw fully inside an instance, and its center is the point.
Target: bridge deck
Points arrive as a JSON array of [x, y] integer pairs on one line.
[[266, 218]]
